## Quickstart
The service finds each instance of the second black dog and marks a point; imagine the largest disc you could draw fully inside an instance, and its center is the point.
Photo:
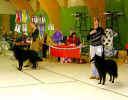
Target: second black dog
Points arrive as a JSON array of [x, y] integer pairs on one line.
[[105, 66], [22, 55]]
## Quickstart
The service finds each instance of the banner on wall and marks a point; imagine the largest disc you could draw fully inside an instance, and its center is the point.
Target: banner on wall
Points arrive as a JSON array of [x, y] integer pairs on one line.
[[50, 29], [24, 28], [18, 28], [18, 17], [22, 16], [38, 19]]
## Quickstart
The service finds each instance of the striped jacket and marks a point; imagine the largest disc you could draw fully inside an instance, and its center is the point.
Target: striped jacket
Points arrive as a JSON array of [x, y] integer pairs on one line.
[[96, 37]]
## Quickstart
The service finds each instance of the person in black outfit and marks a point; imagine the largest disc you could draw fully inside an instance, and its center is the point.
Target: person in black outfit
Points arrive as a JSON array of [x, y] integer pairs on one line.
[[35, 43], [46, 42], [35, 31], [45, 46]]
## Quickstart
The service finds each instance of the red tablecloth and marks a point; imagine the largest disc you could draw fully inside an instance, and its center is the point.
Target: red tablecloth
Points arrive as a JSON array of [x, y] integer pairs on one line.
[[127, 46], [65, 51]]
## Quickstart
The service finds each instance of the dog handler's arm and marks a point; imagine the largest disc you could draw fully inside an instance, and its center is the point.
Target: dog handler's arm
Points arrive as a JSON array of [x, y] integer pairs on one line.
[[92, 31]]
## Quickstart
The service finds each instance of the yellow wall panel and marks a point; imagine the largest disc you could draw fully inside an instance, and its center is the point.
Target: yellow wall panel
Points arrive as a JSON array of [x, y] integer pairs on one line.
[[6, 22], [52, 8], [22, 4], [64, 3], [73, 3]]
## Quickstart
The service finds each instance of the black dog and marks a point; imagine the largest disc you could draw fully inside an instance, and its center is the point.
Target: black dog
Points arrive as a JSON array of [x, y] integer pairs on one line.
[[105, 66], [22, 55]]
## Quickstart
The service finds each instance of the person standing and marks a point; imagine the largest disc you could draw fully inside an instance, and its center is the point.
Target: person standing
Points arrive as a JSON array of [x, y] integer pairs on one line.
[[46, 42], [95, 36], [35, 44]]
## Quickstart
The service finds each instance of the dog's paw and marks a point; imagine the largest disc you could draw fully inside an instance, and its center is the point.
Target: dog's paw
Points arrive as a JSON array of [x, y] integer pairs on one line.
[[99, 83]]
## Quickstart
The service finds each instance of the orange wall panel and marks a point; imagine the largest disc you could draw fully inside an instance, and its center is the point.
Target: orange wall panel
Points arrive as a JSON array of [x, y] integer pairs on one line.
[[97, 8]]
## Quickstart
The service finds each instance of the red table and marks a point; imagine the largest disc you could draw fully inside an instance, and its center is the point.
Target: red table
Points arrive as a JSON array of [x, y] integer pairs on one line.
[[127, 46], [65, 51]]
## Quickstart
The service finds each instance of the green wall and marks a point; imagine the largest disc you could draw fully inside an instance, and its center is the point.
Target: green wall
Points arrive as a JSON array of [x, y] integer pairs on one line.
[[68, 20], [12, 22], [120, 5]]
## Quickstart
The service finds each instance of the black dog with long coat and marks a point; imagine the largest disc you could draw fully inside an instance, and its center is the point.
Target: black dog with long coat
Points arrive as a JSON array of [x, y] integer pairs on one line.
[[22, 55], [105, 66]]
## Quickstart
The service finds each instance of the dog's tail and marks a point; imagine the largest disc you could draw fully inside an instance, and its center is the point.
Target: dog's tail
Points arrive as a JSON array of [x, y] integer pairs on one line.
[[116, 73]]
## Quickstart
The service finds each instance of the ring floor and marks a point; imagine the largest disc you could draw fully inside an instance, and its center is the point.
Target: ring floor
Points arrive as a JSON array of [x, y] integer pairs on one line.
[[55, 81]]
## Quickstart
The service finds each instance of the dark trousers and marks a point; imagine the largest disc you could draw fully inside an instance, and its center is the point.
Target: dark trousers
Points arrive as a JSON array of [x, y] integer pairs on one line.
[[45, 48]]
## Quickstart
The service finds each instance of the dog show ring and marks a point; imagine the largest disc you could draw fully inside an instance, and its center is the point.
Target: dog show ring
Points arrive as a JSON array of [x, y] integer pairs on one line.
[[65, 51]]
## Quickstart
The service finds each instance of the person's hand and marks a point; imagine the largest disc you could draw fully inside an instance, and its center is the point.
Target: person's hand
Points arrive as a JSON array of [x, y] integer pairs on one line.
[[55, 44], [62, 43], [92, 32], [81, 44], [102, 38], [73, 44]]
